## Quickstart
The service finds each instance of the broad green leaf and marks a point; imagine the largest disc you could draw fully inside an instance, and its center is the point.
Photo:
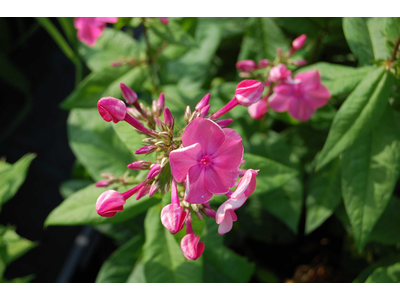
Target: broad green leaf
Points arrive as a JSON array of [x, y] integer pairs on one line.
[[111, 46], [340, 80], [359, 113], [324, 195], [221, 264], [391, 27], [12, 75], [387, 274], [105, 82], [80, 208], [262, 37], [171, 32], [67, 188], [24, 279], [370, 169], [300, 25], [137, 275], [163, 260], [12, 177], [365, 39], [120, 264], [96, 145], [272, 174], [16, 246], [384, 262], [231, 26]]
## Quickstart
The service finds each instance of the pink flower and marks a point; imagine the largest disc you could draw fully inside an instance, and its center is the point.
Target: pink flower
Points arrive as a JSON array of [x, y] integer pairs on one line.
[[225, 214], [209, 162], [109, 203], [259, 109], [90, 29], [298, 43], [190, 246], [279, 72], [164, 20], [247, 65], [301, 97], [172, 215]]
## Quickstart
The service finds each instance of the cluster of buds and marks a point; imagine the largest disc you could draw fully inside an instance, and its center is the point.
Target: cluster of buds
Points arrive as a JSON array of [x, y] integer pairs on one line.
[[301, 96], [110, 178], [195, 163]]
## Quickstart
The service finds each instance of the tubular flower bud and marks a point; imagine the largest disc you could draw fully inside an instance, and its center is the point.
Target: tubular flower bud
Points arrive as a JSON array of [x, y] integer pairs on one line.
[[247, 65], [172, 215], [259, 109], [154, 171], [203, 102], [160, 124], [129, 95], [103, 183], [298, 43], [224, 123], [140, 165], [164, 20], [263, 63], [154, 188], [190, 246], [249, 92], [204, 110], [279, 72], [300, 62], [168, 119], [143, 191], [146, 149], [160, 103], [109, 203], [111, 109]]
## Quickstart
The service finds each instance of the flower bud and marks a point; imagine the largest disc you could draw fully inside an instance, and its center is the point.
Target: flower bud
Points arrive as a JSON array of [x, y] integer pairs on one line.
[[109, 203], [249, 92], [154, 188], [103, 183], [224, 123], [129, 95], [143, 191], [161, 103], [164, 20], [279, 72], [111, 109], [154, 171], [203, 102], [115, 63], [139, 165], [173, 217], [263, 63], [298, 43], [190, 246], [168, 119], [160, 124], [146, 149], [259, 109], [300, 62], [247, 65], [204, 110]]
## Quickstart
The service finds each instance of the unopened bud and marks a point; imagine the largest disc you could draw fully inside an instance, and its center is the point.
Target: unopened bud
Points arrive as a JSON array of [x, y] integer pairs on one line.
[[248, 92], [298, 43], [160, 104], [139, 165], [111, 109], [146, 149], [154, 188], [168, 119], [188, 114], [224, 123], [247, 65], [103, 183], [164, 162], [164, 134], [129, 95], [263, 63], [300, 62], [160, 124], [204, 110], [154, 171], [203, 102]]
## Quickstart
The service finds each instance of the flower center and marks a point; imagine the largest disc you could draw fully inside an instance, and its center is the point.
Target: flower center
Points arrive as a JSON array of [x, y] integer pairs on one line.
[[205, 160]]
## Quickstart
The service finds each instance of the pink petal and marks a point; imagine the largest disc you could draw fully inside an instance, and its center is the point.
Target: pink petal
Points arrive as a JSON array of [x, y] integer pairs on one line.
[[259, 109], [318, 97], [233, 215], [299, 110], [190, 246], [172, 217], [205, 132], [246, 185], [230, 154], [108, 19], [218, 181], [181, 160], [226, 225], [309, 80], [88, 33], [196, 191]]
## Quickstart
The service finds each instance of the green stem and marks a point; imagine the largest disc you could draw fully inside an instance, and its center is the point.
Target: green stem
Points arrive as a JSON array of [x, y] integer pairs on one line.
[[396, 46], [153, 72]]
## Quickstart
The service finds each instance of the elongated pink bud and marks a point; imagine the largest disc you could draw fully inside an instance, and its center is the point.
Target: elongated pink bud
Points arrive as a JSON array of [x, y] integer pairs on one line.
[[154, 171], [109, 203], [143, 191], [115, 63], [247, 65], [190, 246], [129, 95], [103, 183], [160, 124], [146, 149], [203, 102], [153, 189], [224, 123], [134, 190], [204, 110], [140, 165], [139, 126], [111, 109], [300, 62], [263, 63], [298, 43], [208, 210], [249, 92], [168, 119], [164, 20], [161, 103]]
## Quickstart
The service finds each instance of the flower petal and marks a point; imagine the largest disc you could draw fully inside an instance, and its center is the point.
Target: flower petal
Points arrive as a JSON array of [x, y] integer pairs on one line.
[[230, 154], [309, 80], [196, 191], [218, 181], [299, 110], [318, 97], [181, 160], [226, 225]]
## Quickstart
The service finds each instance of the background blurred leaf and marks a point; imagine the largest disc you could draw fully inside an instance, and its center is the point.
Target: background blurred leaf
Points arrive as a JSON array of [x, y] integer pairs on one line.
[[370, 169], [131, 138], [16, 246], [171, 32], [67, 188], [387, 274], [384, 262], [358, 114]]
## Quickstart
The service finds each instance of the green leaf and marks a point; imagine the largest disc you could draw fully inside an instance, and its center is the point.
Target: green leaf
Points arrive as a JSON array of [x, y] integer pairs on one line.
[[340, 80], [67, 188], [359, 113], [163, 260], [392, 28], [171, 32], [80, 208], [384, 262], [118, 267], [262, 37], [12, 177], [105, 83], [137, 275], [272, 174], [324, 195], [96, 145], [221, 264], [111, 46], [370, 169], [387, 274], [16, 246], [300, 25], [365, 39]]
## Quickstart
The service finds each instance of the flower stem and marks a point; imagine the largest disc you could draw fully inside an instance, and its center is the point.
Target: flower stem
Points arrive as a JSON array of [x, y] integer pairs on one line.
[[396, 46], [153, 72]]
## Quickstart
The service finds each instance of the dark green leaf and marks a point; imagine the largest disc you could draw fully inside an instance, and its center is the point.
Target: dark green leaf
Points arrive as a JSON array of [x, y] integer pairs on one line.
[[387, 274], [16, 246], [384, 262], [171, 32], [67, 188]]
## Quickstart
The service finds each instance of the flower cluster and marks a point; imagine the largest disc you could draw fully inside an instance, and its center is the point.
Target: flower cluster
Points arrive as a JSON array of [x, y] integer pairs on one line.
[[301, 96], [195, 163]]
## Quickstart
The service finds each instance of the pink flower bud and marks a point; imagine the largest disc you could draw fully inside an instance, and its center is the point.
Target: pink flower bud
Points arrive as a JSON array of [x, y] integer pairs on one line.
[[129, 95], [160, 124], [298, 43], [164, 20], [111, 109], [153, 189], [204, 110], [190, 246], [139, 165], [279, 72], [173, 217], [107, 175], [208, 210], [161, 103], [259, 109], [115, 63], [203, 102], [224, 123], [146, 149], [143, 191], [168, 119], [154, 171], [263, 63], [279, 51], [247, 65], [300, 62], [109, 203], [249, 92], [103, 183]]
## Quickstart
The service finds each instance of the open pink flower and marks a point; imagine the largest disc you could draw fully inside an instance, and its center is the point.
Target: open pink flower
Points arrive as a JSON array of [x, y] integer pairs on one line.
[[259, 109], [90, 29], [209, 160], [301, 97], [226, 212]]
